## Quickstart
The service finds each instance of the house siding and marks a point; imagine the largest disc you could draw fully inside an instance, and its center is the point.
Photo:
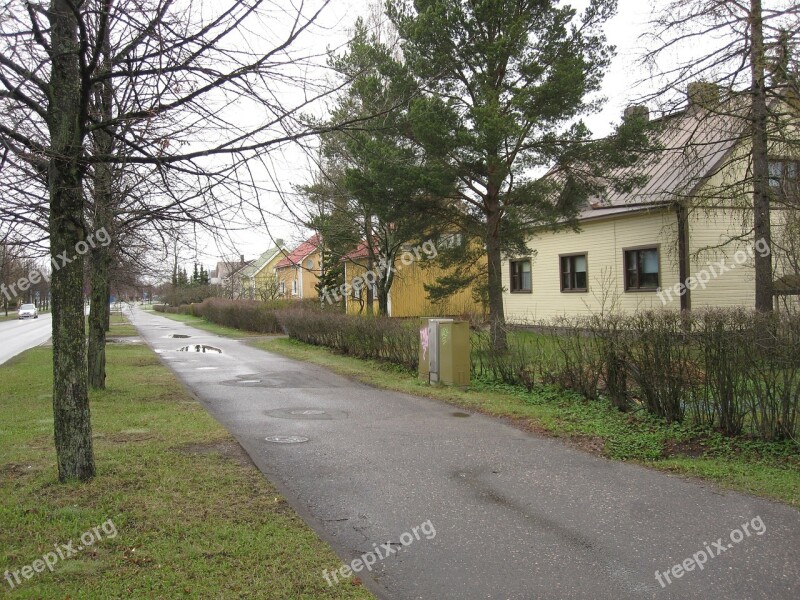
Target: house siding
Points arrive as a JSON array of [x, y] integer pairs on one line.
[[306, 279], [712, 240], [603, 241], [408, 297]]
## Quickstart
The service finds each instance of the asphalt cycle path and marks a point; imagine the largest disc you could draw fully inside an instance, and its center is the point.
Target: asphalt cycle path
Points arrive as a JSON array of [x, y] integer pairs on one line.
[[444, 506]]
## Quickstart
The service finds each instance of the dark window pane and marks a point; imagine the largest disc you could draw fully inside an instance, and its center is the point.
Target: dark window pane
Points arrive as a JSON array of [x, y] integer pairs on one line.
[[775, 173], [520, 276], [580, 280], [649, 261], [648, 280]]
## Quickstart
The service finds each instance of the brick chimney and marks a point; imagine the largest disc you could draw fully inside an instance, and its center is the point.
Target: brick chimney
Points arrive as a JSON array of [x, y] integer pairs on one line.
[[702, 94], [636, 111]]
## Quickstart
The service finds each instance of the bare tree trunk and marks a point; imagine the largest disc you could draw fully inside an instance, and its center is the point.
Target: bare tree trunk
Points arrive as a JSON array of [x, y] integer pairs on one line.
[[98, 317], [383, 301], [103, 219], [72, 424], [761, 191]]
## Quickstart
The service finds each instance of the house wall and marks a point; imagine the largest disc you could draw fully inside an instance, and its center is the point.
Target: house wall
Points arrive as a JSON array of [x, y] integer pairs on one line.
[[720, 243], [713, 248], [603, 241], [310, 275], [306, 279], [268, 270], [721, 225], [285, 276], [408, 297]]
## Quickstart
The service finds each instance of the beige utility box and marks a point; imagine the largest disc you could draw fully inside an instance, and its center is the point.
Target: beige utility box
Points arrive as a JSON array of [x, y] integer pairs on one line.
[[444, 348]]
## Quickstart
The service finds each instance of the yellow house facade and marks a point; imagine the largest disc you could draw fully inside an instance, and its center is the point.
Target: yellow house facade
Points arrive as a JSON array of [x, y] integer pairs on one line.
[[681, 241], [258, 280], [297, 273], [413, 269]]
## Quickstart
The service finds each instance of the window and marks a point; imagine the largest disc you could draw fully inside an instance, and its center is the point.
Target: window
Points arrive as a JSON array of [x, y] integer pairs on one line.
[[784, 178], [294, 287], [310, 264], [641, 269], [283, 288], [573, 273], [520, 275]]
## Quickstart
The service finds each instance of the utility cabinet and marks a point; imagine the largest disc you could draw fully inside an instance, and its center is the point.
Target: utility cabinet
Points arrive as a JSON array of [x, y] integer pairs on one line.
[[444, 348]]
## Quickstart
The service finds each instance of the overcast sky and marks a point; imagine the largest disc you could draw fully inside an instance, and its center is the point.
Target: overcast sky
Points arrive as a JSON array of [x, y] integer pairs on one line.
[[291, 166]]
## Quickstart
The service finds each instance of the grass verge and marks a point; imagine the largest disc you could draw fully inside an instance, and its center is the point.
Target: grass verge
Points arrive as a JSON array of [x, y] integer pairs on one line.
[[194, 518], [771, 470]]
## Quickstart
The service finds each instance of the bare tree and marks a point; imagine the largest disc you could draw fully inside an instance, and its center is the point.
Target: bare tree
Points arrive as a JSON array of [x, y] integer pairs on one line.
[[750, 78], [64, 71]]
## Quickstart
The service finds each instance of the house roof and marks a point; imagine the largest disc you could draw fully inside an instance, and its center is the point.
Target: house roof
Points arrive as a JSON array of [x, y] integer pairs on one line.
[[255, 266], [296, 256], [359, 251], [693, 145], [227, 268], [237, 269]]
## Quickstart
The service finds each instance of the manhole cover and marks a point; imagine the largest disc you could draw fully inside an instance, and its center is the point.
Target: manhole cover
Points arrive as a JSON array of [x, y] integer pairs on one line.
[[200, 348], [460, 414], [177, 336], [286, 439], [307, 412]]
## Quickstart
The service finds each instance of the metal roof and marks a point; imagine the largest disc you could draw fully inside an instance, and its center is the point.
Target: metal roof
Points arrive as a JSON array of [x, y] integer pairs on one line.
[[692, 146]]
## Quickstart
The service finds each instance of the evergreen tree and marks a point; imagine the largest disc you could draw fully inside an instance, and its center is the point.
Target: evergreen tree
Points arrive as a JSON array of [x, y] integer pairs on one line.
[[503, 84]]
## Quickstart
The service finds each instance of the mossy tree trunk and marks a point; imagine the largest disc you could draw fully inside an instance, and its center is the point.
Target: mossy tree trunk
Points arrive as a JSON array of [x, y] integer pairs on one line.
[[102, 254], [65, 116]]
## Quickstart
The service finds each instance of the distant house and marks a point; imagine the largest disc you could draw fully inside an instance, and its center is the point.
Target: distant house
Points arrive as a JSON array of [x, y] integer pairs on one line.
[[414, 269], [298, 271], [258, 280], [681, 240], [225, 268], [226, 276]]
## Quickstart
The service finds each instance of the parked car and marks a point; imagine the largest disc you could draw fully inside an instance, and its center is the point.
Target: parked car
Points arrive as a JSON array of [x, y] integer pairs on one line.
[[28, 311]]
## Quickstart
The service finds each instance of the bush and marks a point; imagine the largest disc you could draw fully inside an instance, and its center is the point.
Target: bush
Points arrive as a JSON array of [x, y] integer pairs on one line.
[[247, 315], [381, 338], [733, 369]]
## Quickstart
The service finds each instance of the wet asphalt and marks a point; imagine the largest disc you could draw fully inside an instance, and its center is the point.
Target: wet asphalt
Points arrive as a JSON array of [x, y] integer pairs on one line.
[[517, 516], [16, 335]]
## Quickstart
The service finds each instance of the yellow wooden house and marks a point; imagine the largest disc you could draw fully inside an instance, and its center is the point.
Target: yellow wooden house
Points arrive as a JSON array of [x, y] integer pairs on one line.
[[415, 266], [682, 240], [298, 271]]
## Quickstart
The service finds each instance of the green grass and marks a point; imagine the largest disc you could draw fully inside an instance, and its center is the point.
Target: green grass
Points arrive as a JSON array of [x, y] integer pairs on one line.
[[121, 327], [201, 323], [194, 518], [769, 470]]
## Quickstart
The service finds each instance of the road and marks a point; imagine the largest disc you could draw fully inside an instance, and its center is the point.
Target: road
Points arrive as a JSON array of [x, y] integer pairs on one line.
[[517, 516], [17, 336]]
